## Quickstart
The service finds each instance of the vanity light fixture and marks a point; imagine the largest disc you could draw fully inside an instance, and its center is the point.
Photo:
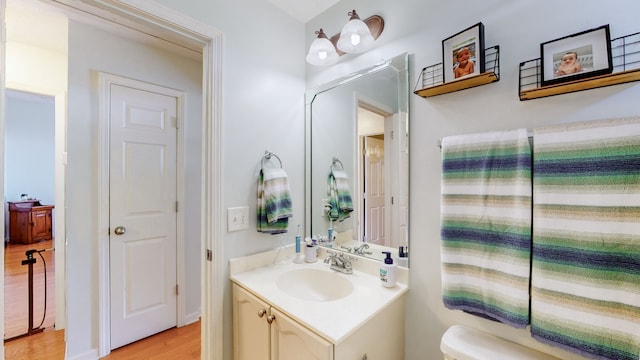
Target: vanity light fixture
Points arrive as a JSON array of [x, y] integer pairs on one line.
[[356, 36], [322, 51]]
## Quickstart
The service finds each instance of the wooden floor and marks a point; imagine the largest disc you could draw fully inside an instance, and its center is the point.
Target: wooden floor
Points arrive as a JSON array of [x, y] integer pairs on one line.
[[16, 291], [177, 343]]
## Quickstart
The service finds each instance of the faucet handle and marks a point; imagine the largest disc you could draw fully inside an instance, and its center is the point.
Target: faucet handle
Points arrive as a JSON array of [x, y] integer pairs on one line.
[[331, 255], [348, 259]]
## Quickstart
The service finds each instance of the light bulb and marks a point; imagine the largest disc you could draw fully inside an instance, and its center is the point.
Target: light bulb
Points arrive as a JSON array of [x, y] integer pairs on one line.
[[355, 39]]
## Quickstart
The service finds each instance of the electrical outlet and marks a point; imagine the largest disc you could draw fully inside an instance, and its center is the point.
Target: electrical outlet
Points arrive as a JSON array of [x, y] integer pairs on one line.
[[237, 218]]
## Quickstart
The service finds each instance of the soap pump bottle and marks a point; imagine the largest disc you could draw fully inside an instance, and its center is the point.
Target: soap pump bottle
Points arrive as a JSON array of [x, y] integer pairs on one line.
[[388, 271], [403, 257]]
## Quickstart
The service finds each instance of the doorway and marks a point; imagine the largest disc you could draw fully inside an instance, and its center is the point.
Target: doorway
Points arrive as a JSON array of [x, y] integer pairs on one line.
[[372, 174], [382, 172], [30, 194]]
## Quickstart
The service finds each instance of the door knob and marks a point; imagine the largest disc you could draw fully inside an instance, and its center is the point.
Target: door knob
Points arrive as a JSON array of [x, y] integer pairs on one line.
[[119, 230]]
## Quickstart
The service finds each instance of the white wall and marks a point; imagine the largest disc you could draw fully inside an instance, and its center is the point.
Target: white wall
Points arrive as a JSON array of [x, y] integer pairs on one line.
[[419, 26], [91, 51], [29, 146]]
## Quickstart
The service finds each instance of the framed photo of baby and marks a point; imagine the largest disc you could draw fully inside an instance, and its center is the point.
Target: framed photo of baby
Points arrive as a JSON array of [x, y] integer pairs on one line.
[[578, 56], [463, 53]]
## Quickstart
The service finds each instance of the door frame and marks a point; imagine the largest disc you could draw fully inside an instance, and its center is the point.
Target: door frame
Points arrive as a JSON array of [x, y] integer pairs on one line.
[[59, 230], [362, 101], [104, 104], [168, 24]]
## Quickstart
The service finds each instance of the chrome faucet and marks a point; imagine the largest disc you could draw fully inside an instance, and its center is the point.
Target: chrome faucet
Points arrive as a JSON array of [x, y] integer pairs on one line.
[[360, 250], [339, 261]]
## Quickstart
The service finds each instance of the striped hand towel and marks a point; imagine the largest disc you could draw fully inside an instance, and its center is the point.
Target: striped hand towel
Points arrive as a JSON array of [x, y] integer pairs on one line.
[[340, 203], [486, 225], [274, 201], [585, 294]]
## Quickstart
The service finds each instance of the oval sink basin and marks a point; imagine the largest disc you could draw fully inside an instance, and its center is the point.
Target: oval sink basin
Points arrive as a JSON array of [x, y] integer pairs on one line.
[[314, 285]]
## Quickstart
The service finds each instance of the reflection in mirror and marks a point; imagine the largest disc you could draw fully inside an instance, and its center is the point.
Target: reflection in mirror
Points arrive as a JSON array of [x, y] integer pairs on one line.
[[357, 177]]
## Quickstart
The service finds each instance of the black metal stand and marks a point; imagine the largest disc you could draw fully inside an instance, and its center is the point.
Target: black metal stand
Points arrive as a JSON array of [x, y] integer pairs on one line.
[[29, 261]]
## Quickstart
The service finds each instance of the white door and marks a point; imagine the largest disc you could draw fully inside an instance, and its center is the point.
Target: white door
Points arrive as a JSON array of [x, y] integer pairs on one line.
[[374, 188], [143, 216]]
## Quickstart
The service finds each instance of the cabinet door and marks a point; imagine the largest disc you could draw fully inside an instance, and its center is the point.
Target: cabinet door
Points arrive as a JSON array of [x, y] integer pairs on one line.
[[250, 327], [292, 341], [41, 224]]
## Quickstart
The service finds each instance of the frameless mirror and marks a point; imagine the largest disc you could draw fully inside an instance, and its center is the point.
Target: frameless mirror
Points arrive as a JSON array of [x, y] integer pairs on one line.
[[357, 160]]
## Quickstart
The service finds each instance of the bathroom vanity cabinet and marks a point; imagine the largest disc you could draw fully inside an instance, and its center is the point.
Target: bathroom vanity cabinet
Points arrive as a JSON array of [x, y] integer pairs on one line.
[[29, 221], [261, 332], [283, 310]]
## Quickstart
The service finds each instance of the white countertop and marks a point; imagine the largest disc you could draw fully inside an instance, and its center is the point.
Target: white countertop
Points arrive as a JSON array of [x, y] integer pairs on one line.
[[334, 320]]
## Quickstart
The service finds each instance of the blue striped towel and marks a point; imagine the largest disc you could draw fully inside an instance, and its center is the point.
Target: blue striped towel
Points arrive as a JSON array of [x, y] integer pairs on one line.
[[340, 203], [585, 287], [274, 201], [486, 225]]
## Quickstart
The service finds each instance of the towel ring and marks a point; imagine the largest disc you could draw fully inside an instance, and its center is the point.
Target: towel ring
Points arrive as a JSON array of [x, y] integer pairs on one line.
[[267, 155], [336, 161]]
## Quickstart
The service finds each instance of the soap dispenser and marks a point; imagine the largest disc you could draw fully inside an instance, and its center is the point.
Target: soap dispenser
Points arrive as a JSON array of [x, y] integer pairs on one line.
[[388, 271], [403, 257]]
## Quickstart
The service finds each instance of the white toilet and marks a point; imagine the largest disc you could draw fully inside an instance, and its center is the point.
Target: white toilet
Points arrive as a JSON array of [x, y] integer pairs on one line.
[[464, 343]]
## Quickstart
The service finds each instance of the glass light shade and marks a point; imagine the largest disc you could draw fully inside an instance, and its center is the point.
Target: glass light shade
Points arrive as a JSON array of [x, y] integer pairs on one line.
[[322, 52], [355, 37]]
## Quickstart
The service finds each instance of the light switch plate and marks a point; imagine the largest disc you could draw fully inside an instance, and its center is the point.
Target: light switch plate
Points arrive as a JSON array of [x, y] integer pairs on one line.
[[237, 218]]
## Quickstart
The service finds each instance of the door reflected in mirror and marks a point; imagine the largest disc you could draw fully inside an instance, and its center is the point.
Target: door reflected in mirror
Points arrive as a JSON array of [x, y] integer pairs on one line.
[[357, 161]]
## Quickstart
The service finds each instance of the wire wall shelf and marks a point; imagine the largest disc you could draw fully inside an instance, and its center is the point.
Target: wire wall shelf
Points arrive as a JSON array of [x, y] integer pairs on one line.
[[625, 53], [431, 80]]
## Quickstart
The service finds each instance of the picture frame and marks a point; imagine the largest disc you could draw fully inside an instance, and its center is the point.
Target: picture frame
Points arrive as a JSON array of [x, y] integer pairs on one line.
[[467, 43], [587, 53]]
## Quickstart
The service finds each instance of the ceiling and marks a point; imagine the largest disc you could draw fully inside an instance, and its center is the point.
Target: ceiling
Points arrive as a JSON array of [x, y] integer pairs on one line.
[[31, 21], [303, 10]]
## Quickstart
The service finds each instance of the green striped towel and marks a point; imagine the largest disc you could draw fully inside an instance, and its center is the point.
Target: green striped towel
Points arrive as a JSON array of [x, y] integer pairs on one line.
[[340, 203], [585, 294], [274, 201], [486, 225]]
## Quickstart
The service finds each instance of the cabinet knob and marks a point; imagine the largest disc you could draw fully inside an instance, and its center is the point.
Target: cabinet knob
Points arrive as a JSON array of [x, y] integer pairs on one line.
[[262, 312], [271, 318], [119, 230]]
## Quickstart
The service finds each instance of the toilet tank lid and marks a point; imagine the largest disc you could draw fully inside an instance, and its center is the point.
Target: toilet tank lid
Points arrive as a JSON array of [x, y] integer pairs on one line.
[[465, 343]]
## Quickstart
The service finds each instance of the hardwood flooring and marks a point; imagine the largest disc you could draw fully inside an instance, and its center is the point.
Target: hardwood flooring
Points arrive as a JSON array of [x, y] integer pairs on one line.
[[177, 343], [16, 293]]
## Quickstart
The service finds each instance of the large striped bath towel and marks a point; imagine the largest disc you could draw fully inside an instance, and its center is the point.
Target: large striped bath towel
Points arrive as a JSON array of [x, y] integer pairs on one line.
[[486, 225], [585, 294]]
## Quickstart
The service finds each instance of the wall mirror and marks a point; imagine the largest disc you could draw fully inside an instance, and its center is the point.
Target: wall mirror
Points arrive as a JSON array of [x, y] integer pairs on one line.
[[357, 144]]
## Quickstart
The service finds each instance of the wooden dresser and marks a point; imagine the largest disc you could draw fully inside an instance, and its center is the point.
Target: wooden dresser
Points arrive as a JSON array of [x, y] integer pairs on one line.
[[29, 221]]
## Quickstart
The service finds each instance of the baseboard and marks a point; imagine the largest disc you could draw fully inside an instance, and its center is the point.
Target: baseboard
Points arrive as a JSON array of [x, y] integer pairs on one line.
[[191, 318], [87, 355]]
